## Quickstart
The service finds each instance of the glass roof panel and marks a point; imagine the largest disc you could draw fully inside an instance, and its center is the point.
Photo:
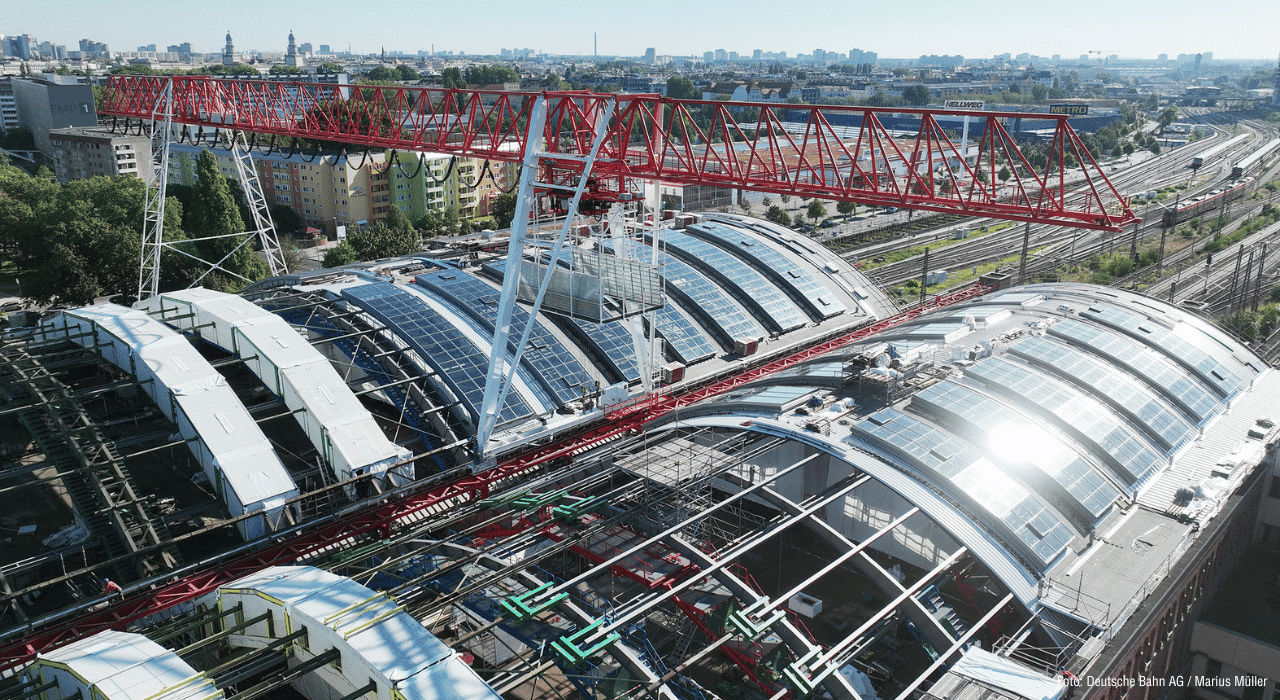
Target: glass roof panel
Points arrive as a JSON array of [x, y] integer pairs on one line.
[[709, 298], [819, 300], [1031, 521], [457, 361], [684, 339], [1185, 389], [1122, 388], [1225, 381], [998, 423], [778, 308], [551, 362], [613, 341], [1114, 439]]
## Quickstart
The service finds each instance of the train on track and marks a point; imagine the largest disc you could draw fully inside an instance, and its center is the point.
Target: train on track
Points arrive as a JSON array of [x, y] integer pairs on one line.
[[1253, 159], [1221, 148], [1200, 204]]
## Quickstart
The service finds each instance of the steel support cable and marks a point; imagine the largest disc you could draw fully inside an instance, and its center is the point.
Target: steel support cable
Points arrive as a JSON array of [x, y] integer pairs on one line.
[[363, 158], [479, 177], [315, 152], [448, 172], [515, 184], [339, 156], [395, 157]]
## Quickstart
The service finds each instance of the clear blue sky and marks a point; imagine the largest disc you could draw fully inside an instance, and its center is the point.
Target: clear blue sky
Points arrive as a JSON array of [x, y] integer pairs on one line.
[[976, 28]]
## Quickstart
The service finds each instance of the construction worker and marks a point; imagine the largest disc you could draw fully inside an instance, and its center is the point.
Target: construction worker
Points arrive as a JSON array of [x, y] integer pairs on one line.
[[110, 587]]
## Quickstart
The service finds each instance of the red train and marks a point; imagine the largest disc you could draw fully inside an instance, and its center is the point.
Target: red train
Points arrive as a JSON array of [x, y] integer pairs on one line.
[[1206, 202]]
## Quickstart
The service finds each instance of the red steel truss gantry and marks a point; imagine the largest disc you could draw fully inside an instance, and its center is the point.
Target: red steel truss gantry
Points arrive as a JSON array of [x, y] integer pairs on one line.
[[828, 152]]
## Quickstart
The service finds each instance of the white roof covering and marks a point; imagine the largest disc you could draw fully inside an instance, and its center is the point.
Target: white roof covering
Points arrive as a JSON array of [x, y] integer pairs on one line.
[[191, 393], [135, 669], [393, 643], [1008, 675], [330, 414]]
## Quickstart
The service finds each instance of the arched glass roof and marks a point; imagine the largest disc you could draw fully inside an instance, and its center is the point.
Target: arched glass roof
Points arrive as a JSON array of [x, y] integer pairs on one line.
[[1045, 409]]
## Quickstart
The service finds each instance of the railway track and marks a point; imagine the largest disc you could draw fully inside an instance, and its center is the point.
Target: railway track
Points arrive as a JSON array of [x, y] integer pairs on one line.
[[1059, 246]]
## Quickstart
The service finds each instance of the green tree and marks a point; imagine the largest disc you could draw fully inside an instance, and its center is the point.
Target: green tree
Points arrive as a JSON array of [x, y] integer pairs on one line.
[[453, 78], [847, 208], [554, 82], [339, 255], [287, 70], [215, 213], [816, 210], [1004, 174], [681, 88], [378, 241], [287, 221], [330, 67], [1167, 117], [1039, 92], [79, 242], [503, 209], [491, 75], [439, 222], [398, 222], [778, 216], [382, 73], [916, 94], [404, 72]]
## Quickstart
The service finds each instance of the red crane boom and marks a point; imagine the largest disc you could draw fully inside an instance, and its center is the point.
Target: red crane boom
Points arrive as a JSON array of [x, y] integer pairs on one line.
[[828, 152]]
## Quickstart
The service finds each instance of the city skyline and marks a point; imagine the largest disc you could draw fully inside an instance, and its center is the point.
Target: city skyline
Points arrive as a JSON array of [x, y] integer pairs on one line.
[[1143, 29]]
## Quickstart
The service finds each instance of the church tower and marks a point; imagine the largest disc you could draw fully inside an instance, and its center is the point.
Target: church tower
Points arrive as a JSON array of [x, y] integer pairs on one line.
[[229, 52], [292, 57]]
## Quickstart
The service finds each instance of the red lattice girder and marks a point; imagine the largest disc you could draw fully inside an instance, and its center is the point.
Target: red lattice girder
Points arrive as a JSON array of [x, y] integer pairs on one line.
[[777, 148]]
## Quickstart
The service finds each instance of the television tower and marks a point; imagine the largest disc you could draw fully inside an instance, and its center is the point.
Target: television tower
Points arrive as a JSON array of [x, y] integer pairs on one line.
[[595, 44]]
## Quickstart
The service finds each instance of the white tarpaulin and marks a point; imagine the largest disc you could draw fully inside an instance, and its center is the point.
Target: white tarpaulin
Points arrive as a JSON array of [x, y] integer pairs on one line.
[[1008, 675]]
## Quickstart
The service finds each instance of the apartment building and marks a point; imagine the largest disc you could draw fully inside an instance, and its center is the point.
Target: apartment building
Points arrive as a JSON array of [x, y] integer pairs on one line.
[[358, 191], [89, 152]]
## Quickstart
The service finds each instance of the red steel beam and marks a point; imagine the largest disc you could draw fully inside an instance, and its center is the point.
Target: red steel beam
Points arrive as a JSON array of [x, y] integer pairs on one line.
[[828, 152], [631, 417]]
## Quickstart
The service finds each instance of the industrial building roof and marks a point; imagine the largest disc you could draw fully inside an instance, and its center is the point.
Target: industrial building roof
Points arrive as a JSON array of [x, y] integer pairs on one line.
[[731, 280], [1034, 427], [1000, 448]]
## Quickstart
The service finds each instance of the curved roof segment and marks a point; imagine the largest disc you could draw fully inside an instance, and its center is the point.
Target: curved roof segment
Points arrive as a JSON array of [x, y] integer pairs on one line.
[[728, 279], [223, 437], [1038, 412]]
